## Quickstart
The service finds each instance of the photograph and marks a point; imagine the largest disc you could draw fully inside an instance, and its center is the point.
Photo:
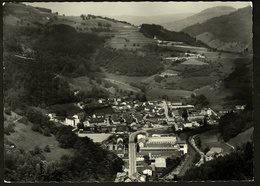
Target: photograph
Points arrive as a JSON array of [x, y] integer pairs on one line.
[[106, 92]]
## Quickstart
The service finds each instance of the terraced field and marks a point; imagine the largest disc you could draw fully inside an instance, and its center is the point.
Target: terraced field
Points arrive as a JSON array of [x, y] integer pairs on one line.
[[128, 37]]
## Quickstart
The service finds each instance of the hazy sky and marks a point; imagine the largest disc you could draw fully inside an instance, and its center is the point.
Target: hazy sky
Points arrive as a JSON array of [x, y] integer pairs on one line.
[[132, 8]]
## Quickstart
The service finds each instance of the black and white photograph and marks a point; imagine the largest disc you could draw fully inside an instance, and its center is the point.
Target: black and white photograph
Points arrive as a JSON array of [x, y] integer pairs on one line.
[[105, 92]]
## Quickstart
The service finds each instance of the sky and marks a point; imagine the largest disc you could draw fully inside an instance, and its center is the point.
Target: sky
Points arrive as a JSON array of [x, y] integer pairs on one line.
[[132, 8]]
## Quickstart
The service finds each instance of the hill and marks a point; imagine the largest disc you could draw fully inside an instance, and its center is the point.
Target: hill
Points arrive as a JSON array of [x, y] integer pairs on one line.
[[161, 33], [232, 32], [158, 19], [198, 18]]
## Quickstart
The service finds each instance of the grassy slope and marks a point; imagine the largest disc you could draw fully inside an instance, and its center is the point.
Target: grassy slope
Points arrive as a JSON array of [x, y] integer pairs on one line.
[[242, 137], [210, 139], [26, 139]]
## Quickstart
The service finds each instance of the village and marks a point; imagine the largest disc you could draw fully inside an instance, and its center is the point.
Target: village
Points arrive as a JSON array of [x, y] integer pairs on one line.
[[132, 130]]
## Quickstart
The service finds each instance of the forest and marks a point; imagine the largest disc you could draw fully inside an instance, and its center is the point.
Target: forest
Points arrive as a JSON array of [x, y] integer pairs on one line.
[[235, 166], [156, 30], [126, 63]]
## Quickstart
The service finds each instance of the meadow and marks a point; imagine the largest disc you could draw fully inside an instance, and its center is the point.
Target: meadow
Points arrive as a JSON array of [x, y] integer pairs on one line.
[[26, 139]]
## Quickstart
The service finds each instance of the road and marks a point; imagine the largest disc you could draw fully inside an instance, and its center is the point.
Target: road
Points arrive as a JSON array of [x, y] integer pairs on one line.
[[132, 150], [165, 106], [202, 155]]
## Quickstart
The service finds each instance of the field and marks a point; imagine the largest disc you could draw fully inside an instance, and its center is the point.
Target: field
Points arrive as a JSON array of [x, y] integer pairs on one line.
[[242, 137], [194, 62], [26, 139], [157, 93], [128, 37], [210, 139]]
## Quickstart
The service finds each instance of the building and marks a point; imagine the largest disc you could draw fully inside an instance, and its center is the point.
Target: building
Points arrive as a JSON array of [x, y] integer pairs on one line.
[[160, 162], [147, 170], [163, 139], [183, 146], [213, 153], [72, 121]]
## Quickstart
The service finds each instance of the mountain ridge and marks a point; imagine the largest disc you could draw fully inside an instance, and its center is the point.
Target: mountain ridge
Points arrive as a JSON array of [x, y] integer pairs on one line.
[[199, 17]]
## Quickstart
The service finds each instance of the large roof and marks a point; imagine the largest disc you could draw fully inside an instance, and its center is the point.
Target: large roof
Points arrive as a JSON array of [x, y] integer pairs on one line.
[[194, 62]]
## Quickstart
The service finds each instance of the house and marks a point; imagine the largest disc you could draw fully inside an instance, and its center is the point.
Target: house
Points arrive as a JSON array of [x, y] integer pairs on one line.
[[160, 162], [169, 73], [183, 146], [52, 116], [187, 125], [213, 152], [147, 170], [240, 107]]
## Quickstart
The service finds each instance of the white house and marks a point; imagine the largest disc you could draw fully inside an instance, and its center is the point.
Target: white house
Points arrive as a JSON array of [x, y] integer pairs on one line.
[[187, 125], [147, 170], [72, 121], [183, 146]]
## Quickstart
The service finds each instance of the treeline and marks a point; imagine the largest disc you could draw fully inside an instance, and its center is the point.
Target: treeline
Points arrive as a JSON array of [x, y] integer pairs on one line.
[[237, 165], [161, 33], [126, 63], [231, 124]]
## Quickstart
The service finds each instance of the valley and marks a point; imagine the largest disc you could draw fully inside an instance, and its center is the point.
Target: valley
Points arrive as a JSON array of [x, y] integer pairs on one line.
[[92, 98]]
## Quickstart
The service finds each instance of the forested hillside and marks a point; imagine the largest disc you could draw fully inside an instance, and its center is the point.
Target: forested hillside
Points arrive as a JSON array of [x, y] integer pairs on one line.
[[126, 63], [198, 18], [234, 27]]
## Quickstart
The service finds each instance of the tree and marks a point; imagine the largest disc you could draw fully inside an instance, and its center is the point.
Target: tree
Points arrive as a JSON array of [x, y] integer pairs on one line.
[[185, 114], [147, 159], [47, 148], [206, 150]]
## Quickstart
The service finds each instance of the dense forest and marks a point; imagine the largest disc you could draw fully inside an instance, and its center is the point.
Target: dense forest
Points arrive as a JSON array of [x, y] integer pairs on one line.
[[231, 27], [156, 30], [235, 166], [127, 63]]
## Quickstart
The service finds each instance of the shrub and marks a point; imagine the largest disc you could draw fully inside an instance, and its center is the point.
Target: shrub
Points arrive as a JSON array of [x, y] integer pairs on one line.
[[6, 131], [36, 128], [8, 111], [37, 150], [10, 127], [46, 132]]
